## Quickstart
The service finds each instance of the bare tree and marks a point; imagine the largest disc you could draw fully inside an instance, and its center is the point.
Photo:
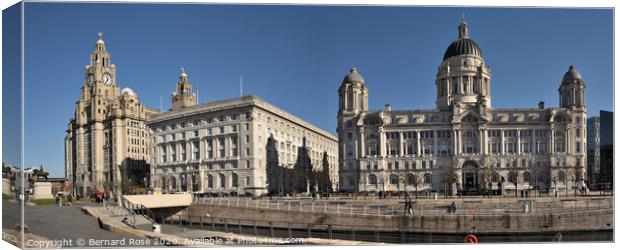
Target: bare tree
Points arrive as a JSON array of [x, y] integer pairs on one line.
[[449, 176], [384, 178], [571, 175], [418, 179], [513, 175], [487, 177]]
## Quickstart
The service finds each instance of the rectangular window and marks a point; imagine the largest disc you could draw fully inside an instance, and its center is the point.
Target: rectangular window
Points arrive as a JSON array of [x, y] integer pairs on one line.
[[164, 153], [183, 153], [209, 148], [247, 181], [222, 151], [196, 133], [525, 147], [196, 150], [233, 146], [173, 149]]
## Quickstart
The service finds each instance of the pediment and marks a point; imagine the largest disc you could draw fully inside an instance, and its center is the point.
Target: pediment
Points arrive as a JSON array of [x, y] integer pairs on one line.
[[470, 117]]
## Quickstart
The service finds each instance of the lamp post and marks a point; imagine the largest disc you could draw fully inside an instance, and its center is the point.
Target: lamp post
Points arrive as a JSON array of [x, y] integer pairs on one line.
[[555, 185]]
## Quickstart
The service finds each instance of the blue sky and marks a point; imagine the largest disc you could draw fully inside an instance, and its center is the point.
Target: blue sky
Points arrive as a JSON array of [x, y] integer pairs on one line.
[[295, 57]]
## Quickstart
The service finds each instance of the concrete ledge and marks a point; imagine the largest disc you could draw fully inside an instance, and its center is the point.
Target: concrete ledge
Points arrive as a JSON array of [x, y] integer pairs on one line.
[[113, 225], [161, 200]]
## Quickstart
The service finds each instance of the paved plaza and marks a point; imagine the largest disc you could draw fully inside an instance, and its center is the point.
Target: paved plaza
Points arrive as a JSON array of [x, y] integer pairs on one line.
[[53, 222]]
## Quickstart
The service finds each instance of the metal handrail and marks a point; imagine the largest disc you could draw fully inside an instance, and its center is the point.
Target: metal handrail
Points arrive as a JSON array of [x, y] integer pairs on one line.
[[138, 209]]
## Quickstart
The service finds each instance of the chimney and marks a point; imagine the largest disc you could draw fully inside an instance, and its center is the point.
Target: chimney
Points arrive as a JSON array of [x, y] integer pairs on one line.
[[541, 105], [388, 107]]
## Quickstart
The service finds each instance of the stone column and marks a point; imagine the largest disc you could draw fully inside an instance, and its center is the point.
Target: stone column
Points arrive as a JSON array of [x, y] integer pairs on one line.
[[502, 143], [382, 142], [518, 142], [459, 142], [435, 149], [534, 143], [551, 141], [362, 144], [418, 146], [481, 142], [401, 144], [454, 144]]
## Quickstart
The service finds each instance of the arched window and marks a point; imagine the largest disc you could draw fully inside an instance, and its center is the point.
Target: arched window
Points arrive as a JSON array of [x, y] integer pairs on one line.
[[512, 177], [235, 180], [411, 179], [495, 177], [173, 182], [372, 179], [427, 179], [222, 181], [526, 177], [210, 181], [562, 177], [393, 179]]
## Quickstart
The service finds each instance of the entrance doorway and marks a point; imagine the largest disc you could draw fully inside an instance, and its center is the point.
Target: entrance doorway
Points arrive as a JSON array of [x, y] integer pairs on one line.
[[471, 180]]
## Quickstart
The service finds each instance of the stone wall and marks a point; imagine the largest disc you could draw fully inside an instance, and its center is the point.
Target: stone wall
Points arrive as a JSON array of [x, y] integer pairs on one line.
[[446, 223]]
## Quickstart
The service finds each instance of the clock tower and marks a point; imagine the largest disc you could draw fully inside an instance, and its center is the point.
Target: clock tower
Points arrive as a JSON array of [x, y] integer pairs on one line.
[[106, 142]]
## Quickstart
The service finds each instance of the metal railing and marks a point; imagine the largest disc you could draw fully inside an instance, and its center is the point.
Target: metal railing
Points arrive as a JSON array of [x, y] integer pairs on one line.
[[420, 207], [297, 230], [138, 209]]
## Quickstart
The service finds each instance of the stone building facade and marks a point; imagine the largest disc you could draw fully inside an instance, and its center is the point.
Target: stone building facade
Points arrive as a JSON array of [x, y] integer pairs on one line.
[[463, 144], [106, 139], [241, 145], [594, 146]]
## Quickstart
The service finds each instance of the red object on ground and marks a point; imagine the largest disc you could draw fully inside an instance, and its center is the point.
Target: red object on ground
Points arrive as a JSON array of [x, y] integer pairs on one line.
[[470, 238]]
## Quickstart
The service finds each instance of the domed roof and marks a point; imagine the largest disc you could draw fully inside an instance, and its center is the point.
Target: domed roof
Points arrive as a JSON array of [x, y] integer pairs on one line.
[[571, 75], [463, 45], [128, 91], [353, 76]]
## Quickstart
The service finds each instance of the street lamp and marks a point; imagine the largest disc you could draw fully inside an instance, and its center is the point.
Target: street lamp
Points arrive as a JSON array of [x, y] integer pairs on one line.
[[555, 185]]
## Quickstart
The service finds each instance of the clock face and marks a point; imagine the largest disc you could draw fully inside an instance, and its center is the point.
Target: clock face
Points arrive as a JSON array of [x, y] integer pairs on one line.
[[107, 79]]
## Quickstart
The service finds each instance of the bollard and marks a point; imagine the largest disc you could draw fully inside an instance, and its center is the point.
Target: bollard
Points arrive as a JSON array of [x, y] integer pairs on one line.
[[271, 233], [377, 234], [225, 225], [240, 229], [312, 208], [290, 231], [352, 234], [212, 223], [309, 231], [255, 229], [201, 225]]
